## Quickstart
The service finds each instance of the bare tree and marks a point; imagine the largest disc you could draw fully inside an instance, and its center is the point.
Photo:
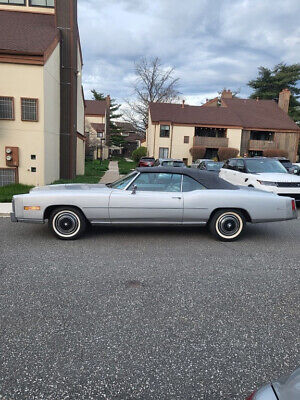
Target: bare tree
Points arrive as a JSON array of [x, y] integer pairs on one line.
[[153, 83]]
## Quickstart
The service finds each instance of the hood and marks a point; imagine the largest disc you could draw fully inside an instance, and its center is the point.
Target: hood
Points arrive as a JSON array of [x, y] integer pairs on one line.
[[69, 186], [275, 177]]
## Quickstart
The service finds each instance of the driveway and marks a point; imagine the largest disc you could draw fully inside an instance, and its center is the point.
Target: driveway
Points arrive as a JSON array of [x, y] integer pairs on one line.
[[160, 313]]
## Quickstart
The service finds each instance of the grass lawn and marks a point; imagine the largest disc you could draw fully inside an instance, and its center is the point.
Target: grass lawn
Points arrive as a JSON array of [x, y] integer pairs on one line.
[[94, 170], [7, 192], [126, 166]]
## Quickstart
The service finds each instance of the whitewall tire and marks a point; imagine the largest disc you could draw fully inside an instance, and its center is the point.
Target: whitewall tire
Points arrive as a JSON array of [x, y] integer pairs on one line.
[[67, 223], [227, 225]]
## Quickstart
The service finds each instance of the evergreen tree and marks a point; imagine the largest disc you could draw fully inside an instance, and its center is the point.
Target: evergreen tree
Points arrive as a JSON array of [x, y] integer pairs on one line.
[[113, 111], [270, 82]]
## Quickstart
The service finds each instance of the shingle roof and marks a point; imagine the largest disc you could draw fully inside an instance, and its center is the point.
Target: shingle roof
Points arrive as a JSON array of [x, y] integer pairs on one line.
[[220, 116], [95, 107], [98, 127], [26, 33], [247, 114], [260, 114]]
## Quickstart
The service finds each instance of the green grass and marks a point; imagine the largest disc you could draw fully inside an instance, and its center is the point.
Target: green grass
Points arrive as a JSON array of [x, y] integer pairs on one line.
[[126, 166], [7, 192], [94, 170]]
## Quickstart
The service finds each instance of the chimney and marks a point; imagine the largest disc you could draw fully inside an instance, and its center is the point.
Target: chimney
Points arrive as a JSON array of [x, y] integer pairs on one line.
[[284, 100], [66, 24], [226, 94], [183, 103]]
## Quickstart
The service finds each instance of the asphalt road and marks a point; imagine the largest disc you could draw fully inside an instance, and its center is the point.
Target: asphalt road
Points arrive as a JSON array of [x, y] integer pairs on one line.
[[147, 314]]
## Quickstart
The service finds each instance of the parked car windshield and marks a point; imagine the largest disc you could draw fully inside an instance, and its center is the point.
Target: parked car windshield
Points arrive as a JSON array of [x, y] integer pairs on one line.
[[123, 182], [261, 166], [173, 164], [214, 166]]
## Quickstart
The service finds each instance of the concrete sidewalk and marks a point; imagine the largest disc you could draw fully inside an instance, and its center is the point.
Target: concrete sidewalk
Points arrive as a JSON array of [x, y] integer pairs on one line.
[[5, 209], [112, 174]]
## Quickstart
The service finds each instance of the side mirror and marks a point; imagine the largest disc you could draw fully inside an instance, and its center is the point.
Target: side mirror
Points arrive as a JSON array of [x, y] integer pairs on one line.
[[134, 189]]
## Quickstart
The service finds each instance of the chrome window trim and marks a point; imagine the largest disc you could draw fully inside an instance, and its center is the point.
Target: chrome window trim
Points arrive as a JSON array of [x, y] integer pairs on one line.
[[134, 178]]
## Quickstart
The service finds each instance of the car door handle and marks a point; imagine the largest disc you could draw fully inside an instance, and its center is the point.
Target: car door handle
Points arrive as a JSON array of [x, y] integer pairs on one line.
[[177, 197]]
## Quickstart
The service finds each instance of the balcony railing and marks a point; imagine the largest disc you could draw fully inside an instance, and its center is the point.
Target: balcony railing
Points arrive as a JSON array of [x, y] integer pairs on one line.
[[213, 142], [262, 145]]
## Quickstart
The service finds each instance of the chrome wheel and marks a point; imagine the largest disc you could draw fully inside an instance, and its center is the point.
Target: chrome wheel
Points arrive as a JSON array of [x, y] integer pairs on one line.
[[228, 225]]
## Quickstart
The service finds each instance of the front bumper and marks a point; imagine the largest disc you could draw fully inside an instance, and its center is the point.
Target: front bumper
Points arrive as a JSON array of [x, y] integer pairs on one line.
[[13, 217]]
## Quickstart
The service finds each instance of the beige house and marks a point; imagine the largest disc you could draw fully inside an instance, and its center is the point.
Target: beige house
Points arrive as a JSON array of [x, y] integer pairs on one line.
[[97, 123], [251, 126], [42, 134]]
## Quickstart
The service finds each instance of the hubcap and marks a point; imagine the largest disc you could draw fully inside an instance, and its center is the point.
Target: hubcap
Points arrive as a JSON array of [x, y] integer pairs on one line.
[[228, 225], [66, 223]]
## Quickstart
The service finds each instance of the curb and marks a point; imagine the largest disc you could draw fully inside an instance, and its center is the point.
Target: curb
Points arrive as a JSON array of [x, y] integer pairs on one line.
[[5, 210]]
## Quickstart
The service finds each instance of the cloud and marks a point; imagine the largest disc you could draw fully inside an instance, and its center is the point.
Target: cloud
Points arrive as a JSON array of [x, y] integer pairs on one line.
[[212, 44]]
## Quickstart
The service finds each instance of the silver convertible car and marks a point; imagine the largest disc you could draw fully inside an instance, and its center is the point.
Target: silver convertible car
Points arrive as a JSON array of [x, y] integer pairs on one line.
[[164, 196]]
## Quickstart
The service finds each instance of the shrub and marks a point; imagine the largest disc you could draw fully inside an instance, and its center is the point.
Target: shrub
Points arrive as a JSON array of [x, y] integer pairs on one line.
[[139, 153], [227, 152], [197, 152], [275, 153]]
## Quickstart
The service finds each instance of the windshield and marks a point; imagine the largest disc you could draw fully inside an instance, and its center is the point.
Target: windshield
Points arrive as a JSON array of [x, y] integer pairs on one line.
[[173, 163], [214, 166], [123, 182], [264, 166]]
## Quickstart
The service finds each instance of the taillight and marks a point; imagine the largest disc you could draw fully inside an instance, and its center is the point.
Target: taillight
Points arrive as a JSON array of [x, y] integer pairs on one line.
[[294, 205], [251, 396]]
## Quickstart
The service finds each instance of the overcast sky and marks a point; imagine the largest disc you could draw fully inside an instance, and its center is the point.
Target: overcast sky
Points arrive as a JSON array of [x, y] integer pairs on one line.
[[212, 44]]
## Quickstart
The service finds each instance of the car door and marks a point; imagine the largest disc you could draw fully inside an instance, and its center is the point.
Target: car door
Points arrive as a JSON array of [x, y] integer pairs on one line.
[[196, 201], [229, 172], [152, 198], [241, 176]]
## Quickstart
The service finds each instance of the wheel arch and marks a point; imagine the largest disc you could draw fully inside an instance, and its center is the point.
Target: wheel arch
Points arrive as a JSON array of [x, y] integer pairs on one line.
[[49, 210], [242, 210]]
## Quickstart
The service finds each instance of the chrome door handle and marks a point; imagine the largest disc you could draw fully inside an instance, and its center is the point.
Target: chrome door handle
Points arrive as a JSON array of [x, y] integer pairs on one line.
[[176, 197]]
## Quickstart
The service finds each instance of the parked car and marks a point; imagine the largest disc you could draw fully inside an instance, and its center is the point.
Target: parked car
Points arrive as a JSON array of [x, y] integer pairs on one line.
[[146, 162], [209, 165], [169, 162], [287, 388], [196, 163], [262, 173], [291, 168], [151, 196]]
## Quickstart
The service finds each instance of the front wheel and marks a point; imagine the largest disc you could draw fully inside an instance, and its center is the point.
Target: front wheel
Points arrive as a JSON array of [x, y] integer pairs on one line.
[[227, 225], [67, 223]]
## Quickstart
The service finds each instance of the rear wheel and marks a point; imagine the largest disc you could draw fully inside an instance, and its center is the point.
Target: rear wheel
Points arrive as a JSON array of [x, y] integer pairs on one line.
[[67, 223], [227, 225]]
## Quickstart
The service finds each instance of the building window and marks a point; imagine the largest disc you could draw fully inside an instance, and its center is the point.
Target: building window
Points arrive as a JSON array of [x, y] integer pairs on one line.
[[186, 139], [29, 109], [6, 108], [14, 2], [41, 3], [165, 131], [262, 135], [99, 135], [163, 152], [210, 132]]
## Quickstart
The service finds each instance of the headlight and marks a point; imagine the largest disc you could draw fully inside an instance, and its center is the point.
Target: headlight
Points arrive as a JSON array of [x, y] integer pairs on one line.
[[266, 183]]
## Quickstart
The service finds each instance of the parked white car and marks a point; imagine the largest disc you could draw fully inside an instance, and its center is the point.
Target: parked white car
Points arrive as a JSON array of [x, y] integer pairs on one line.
[[262, 173]]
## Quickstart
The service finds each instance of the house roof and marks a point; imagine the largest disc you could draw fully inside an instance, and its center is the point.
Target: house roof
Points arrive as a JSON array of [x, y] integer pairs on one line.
[[26, 33], [125, 126], [247, 114], [95, 107], [260, 114], [98, 127], [220, 116]]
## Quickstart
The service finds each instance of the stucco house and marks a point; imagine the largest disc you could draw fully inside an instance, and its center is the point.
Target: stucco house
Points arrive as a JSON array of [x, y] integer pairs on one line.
[[41, 99], [251, 126], [97, 124]]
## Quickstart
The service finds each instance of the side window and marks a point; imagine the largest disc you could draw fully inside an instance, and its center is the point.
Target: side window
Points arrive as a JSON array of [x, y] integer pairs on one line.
[[156, 163], [232, 164], [123, 182], [189, 184], [240, 165], [157, 182], [202, 165]]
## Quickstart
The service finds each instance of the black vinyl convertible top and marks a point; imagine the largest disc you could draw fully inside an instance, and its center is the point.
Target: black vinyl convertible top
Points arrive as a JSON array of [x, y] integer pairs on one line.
[[208, 179]]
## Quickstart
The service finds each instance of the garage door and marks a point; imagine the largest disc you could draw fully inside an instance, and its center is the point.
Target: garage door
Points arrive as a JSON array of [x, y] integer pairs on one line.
[[7, 176]]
